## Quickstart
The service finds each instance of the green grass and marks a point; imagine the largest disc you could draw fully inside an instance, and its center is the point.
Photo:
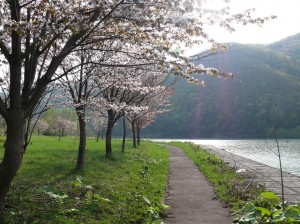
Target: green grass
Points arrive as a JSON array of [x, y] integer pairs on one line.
[[230, 187], [48, 190]]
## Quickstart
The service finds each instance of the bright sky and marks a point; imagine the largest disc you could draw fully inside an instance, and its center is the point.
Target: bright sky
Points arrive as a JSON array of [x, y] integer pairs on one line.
[[286, 24]]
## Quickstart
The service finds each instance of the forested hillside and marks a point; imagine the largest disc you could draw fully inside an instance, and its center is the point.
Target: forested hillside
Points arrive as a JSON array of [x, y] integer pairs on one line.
[[265, 92]]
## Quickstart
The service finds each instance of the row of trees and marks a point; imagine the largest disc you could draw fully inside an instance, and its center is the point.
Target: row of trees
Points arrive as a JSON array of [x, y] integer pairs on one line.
[[97, 43], [62, 122], [113, 92]]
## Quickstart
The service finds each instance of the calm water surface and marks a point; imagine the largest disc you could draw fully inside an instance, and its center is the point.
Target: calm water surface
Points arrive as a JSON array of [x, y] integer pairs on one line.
[[262, 151]]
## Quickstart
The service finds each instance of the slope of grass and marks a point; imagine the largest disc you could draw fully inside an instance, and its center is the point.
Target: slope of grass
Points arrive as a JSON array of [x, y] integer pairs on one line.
[[48, 190]]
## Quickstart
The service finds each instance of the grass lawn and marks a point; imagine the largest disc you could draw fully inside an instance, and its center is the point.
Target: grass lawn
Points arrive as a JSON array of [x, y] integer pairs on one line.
[[124, 189]]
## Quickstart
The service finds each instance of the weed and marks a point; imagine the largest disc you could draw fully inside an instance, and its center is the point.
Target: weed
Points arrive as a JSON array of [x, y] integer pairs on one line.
[[269, 209]]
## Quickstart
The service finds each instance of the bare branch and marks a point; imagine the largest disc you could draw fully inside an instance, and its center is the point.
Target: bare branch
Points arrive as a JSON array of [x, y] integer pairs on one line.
[[3, 109], [4, 50]]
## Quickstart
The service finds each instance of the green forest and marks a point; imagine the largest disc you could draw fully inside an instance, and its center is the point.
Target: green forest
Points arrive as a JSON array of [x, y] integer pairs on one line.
[[264, 94]]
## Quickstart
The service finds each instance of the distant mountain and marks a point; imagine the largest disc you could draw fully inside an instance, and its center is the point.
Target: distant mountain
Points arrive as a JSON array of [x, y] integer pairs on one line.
[[264, 93], [289, 46]]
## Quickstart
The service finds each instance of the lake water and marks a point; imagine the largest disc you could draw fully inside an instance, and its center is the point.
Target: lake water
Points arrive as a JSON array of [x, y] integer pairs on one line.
[[261, 151]]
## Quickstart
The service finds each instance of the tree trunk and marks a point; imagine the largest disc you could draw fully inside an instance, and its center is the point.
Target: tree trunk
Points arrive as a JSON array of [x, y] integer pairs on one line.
[[108, 148], [82, 143], [138, 132], [59, 134], [124, 135], [98, 132], [14, 149], [133, 134], [97, 136]]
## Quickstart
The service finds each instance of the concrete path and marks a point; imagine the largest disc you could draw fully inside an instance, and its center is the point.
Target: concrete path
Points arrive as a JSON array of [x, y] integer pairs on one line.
[[190, 195], [262, 174]]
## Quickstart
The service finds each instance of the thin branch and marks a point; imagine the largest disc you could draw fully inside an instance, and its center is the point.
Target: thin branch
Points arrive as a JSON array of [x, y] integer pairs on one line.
[[270, 148], [28, 3], [3, 109], [94, 17], [281, 172], [4, 50], [39, 115]]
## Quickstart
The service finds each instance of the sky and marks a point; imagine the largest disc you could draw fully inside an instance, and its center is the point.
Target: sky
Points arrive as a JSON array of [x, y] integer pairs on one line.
[[286, 24]]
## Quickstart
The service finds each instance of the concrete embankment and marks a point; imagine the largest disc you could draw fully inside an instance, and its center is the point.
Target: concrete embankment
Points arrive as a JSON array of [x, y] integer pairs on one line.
[[262, 174]]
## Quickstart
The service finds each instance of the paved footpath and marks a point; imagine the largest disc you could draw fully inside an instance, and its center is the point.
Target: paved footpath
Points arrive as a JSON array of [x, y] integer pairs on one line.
[[190, 195], [262, 174]]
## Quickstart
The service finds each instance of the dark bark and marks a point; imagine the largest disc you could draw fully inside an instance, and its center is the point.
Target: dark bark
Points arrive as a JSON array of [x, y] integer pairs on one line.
[[124, 135], [14, 149], [110, 126], [108, 138], [99, 132], [133, 134], [97, 137], [14, 116], [138, 132], [82, 143], [59, 134]]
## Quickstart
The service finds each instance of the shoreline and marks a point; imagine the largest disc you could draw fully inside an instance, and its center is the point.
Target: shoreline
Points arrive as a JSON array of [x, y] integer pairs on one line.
[[261, 173], [260, 150]]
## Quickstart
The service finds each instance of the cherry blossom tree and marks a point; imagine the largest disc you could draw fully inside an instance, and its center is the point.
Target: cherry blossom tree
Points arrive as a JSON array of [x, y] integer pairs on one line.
[[64, 127], [41, 126], [98, 123], [35, 37], [124, 133], [121, 87], [86, 75], [77, 79], [89, 73], [146, 119], [155, 102]]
